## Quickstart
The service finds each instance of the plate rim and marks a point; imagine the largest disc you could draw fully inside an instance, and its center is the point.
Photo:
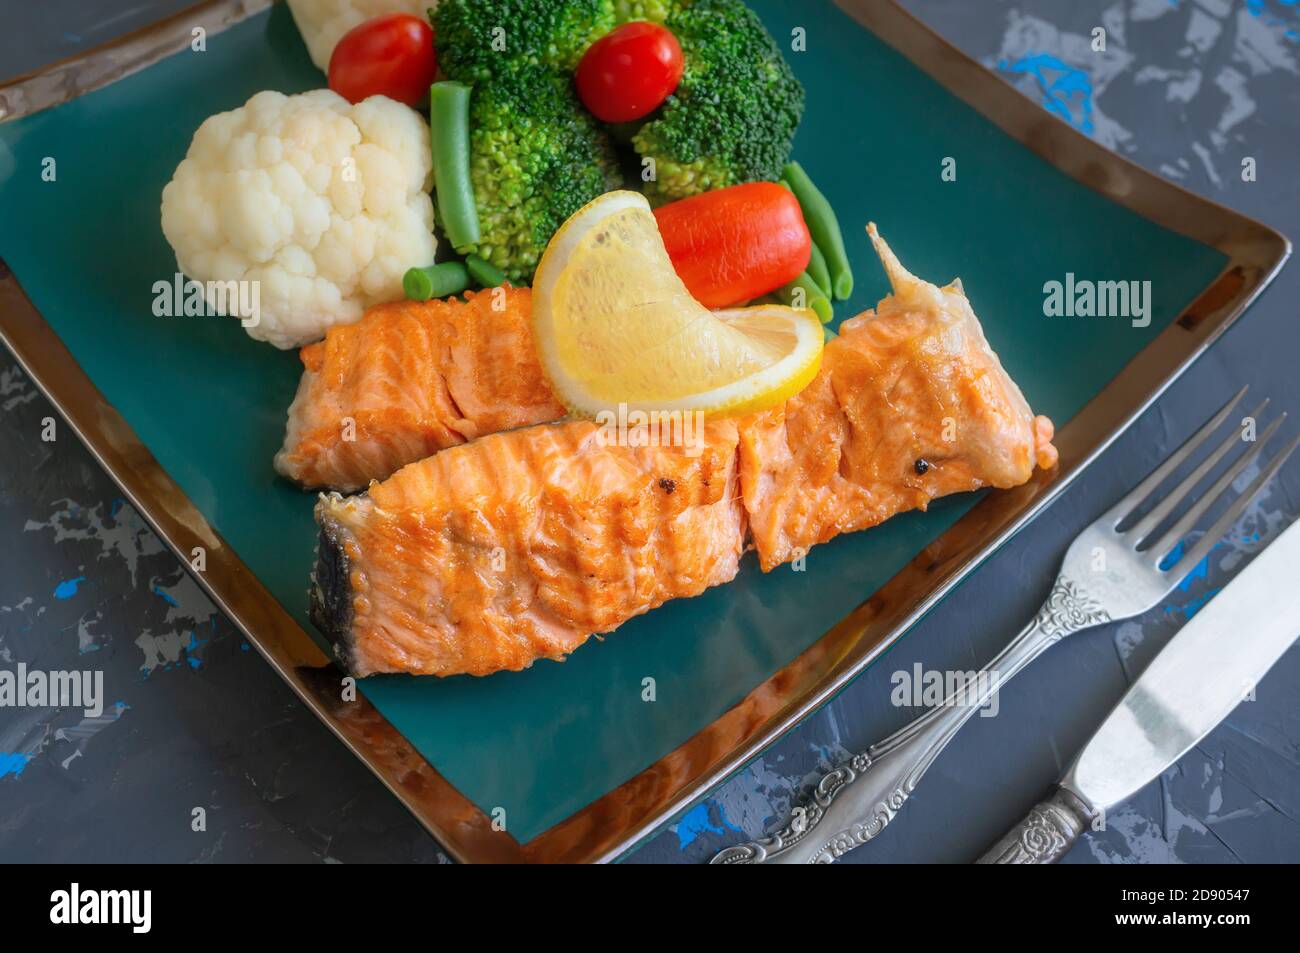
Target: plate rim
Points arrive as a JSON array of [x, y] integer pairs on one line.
[[630, 812]]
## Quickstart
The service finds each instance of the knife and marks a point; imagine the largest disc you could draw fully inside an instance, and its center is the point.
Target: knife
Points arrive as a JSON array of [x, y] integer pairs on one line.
[[1207, 668]]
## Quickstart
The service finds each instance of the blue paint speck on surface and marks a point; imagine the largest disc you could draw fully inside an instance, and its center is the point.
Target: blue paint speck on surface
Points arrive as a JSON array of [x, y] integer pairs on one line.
[[68, 588], [1197, 604], [1200, 571], [12, 763], [1259, 8], [191, 647], [166, 596], [698, 820], [1066, 89], [1193, 606]]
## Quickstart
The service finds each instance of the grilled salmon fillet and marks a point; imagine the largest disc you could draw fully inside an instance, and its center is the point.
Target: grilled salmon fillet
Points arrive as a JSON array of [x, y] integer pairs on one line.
[[910, 404], [409, 379], [520, 545]]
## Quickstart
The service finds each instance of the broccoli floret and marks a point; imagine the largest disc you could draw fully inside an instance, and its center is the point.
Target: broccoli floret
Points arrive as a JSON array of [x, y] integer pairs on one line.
[[733, 117], [479, 39], [656, 11], [536, 157]]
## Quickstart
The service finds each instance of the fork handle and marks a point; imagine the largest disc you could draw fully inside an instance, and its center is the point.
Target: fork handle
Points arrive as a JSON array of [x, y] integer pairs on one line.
[[856, 801]]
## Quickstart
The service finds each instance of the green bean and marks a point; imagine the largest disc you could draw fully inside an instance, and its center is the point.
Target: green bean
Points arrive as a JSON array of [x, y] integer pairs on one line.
[[804, 293], [825, 228], [449, 127], [485, 274], [816, 264], [436, 281], [817, 270]]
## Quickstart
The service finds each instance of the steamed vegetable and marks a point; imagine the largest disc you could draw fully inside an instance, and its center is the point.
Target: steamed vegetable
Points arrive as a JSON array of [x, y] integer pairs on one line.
[[733, 117], [628, 73], [536, 155], [435, 281], [735, 244], [484, 274], [322, 203], [323, 22], [825, 228], [449, 122], [803, 292], [481, 39], [528, 177], [656, 11], [389, 56], [818, 271]]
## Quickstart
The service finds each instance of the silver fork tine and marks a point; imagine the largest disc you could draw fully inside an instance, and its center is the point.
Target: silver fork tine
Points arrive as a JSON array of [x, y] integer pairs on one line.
[[1176, 496], [1139, 493], [1224, 522], [1171, 537]]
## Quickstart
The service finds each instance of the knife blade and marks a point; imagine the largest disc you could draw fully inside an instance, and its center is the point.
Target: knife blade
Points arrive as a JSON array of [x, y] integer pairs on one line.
[[1197, 679]]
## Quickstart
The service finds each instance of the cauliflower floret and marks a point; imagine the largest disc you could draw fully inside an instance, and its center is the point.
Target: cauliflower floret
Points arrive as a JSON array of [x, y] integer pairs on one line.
[[322, 23], [322, 203]]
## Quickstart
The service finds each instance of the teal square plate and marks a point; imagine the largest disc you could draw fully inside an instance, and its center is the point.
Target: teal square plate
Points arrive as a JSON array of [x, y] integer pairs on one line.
[[567, 762]]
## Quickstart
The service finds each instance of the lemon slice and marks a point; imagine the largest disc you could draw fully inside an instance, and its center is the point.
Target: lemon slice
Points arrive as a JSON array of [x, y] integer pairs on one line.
[[615, 326]]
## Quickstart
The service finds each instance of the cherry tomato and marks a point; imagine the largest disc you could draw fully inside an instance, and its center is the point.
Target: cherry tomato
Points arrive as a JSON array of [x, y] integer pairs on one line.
[[390, 55], [628, 72]]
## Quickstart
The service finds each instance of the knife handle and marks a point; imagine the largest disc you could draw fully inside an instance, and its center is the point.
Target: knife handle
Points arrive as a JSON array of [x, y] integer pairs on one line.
[[1046, 834]]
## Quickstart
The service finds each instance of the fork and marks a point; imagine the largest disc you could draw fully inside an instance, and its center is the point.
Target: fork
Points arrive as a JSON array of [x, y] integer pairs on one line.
[[1117, 568]]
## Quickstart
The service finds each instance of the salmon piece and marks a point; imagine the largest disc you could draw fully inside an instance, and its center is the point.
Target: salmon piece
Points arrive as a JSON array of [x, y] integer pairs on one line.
[[521, 545], [910, 404], [409, 379]]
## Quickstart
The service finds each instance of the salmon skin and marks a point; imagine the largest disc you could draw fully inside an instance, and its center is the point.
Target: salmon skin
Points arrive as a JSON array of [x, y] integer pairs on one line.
[[409, 379], [520, 545]]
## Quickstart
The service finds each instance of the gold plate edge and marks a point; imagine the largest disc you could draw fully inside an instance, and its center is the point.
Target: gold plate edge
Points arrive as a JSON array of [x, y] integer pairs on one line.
[[85, 72]]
